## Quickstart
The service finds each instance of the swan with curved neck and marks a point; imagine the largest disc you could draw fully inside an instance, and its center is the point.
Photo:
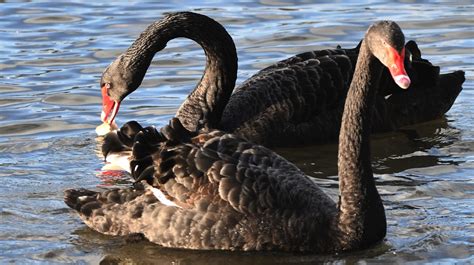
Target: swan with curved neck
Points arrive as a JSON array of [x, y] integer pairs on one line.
[[207, 101], [212, 190], [295, 101]]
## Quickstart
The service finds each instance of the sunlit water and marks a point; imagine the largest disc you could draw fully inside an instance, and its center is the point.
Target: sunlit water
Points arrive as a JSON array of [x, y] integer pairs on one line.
[[52, 55]]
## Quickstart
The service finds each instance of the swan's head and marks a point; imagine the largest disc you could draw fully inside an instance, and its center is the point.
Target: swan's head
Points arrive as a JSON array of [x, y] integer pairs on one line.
[[118, 80], [386, 41]]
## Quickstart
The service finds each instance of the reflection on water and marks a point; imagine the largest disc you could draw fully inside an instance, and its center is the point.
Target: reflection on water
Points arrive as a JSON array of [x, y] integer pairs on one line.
[[53, 55], [411, 147]]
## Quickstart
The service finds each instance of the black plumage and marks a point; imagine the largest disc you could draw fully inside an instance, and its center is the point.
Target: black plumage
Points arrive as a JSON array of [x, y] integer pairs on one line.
[[214, 190]]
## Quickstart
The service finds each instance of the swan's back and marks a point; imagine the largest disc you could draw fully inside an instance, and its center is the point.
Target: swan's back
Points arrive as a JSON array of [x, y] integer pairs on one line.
[[285, 99], [217, 192]]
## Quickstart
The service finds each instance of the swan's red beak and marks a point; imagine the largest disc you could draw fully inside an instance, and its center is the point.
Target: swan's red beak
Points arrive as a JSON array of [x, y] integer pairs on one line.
[[397, 68], [109, 106]]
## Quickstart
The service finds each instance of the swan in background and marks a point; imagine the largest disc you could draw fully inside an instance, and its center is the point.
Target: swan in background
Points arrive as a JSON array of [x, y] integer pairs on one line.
[[295, 101]]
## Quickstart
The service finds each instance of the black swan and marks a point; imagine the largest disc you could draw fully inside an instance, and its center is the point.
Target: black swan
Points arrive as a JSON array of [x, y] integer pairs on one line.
[[298, 100], [214, 190]]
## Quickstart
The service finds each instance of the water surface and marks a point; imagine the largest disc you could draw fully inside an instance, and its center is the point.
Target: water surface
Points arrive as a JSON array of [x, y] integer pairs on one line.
[[51, 60]]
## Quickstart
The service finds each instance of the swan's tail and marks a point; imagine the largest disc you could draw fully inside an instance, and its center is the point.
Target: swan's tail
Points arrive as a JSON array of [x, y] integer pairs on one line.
[[139, 211], [112, 212], [450, 85]]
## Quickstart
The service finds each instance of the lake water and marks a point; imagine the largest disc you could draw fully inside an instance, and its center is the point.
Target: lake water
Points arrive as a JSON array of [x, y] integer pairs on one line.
[[52, 56]]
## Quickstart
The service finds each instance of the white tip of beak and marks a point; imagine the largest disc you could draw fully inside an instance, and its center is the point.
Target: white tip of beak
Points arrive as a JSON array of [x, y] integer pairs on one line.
[[402, 81]]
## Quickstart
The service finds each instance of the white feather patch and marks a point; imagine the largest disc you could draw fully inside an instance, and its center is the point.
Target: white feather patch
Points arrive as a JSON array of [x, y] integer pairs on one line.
[[118, 161], [162, 198], [82, 198]]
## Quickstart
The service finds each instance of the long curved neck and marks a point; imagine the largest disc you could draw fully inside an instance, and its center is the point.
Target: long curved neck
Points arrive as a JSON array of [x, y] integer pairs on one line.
[[206, 103], [361, 213]]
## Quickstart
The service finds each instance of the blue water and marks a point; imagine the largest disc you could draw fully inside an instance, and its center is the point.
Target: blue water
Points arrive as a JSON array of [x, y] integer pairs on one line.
[[51, 61]]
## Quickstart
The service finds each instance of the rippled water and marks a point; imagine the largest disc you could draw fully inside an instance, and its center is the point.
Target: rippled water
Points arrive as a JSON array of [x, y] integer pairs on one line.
[[52, 57]]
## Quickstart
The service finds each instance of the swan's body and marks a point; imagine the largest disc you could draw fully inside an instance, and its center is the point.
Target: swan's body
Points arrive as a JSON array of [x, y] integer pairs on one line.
[[298, 100], [213, 190]]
